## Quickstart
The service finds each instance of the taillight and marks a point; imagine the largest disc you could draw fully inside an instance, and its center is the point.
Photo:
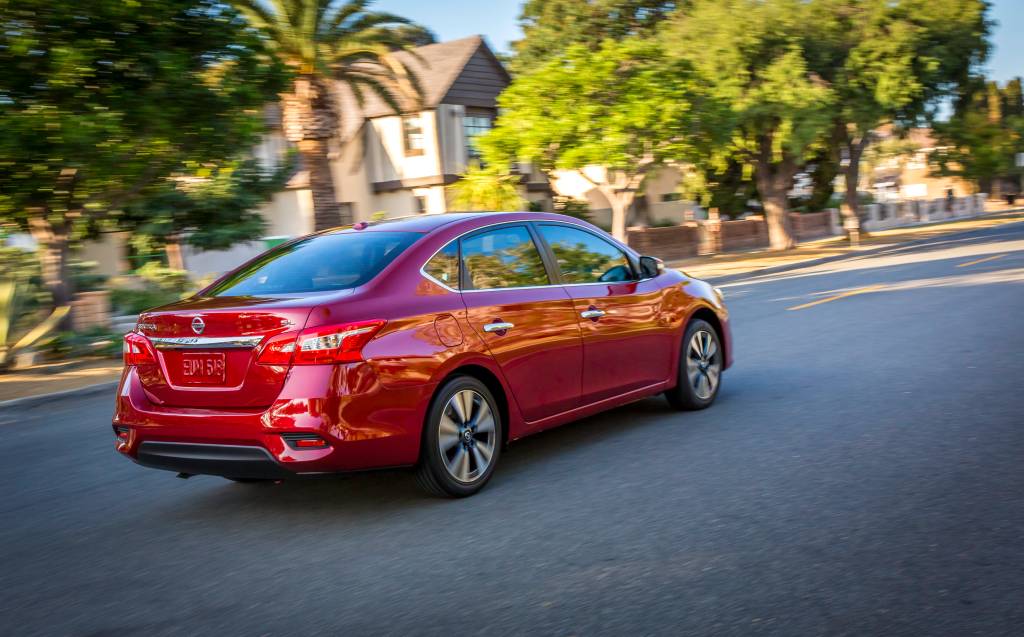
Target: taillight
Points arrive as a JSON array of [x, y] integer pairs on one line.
[[335, 343], [278, 350], [137, 350]]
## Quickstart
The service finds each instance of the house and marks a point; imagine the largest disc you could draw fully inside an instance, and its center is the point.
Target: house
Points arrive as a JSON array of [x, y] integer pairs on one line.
[[902, 172], [388, 164]]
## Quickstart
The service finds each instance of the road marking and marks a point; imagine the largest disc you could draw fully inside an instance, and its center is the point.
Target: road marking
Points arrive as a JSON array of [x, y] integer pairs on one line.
[[977, 261], [870, 288]]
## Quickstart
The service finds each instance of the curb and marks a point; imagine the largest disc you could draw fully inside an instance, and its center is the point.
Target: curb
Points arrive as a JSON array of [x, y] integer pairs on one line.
[[34, 401], [778, 269]]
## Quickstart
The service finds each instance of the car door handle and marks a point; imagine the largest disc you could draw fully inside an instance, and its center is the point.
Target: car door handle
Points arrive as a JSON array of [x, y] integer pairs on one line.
[[592, 313], [498, 327]]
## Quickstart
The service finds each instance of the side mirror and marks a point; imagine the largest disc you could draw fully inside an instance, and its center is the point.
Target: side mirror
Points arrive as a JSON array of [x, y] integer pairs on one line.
[[651, 267]]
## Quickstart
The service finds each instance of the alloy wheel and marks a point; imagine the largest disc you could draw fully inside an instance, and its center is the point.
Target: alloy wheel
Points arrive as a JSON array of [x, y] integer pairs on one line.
[[466, 435], [703, 365]]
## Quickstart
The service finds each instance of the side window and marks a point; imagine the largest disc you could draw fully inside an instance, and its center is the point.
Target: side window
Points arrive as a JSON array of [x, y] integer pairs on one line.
[[502, 258], [444, 266], [586, 258]]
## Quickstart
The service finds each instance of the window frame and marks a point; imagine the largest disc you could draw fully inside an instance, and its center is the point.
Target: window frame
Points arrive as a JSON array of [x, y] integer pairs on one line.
[[458, 259], [550, 262], [406, 147], [534, 237], [634, 266]]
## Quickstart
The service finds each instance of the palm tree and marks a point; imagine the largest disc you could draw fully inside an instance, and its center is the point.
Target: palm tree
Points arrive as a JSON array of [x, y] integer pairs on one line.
[[324, 42]]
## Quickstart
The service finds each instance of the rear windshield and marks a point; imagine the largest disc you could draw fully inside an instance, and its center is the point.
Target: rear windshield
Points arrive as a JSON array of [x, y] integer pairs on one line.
[[317, 264]]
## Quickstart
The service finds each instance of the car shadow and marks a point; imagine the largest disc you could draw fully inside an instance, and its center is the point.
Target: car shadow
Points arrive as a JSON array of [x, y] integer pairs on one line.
[[372, 495]]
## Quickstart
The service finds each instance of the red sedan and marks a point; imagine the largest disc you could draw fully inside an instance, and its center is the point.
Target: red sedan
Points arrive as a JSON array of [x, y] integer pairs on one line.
[[428, 342]]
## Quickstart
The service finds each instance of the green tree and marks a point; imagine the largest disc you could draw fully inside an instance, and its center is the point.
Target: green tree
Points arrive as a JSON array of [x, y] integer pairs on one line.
[[890, 62], [615, 114], [323, 42], [487, 189], [102, 102], [752, 56], [551, 26], [980, 141], [211, 208]]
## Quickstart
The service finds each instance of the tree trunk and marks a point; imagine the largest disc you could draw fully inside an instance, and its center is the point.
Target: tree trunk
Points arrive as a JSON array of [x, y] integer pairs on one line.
[[309, 118], [54, 254], [850, 209], [620, 202], [326, 209], [773, 184], [172, 249]]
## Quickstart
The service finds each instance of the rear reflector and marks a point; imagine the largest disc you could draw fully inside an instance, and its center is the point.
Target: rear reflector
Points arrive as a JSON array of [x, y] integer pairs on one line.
[[137, 350], [305, 441]]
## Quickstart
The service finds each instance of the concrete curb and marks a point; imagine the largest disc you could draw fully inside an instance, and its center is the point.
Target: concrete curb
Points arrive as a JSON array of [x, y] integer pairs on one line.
[[35, 401], [778, 269]]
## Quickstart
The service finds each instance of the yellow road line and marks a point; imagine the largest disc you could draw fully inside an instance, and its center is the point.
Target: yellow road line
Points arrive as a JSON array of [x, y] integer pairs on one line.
[[870, 288], [977, 261]]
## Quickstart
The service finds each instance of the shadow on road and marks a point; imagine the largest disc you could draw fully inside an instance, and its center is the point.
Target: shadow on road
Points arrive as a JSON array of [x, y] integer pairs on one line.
[[535, 460]]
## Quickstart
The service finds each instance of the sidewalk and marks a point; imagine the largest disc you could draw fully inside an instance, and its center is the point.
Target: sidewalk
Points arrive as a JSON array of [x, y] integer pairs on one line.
[[719, 266], [39, 381]]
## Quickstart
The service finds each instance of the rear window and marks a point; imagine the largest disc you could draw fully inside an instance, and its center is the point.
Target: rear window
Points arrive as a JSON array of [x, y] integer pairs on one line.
[[317, 264]]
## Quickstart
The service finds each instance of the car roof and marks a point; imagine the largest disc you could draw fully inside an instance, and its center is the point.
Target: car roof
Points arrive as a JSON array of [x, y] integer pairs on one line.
[[426, 223]]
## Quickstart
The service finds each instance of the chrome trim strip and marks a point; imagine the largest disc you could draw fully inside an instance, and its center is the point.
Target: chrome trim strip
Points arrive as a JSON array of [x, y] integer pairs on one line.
[[423, 272], [204, 342], [589, 314]]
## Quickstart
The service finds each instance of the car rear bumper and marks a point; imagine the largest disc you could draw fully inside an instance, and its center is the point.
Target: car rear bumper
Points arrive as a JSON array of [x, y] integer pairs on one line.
[[231, 461], [363, 424]]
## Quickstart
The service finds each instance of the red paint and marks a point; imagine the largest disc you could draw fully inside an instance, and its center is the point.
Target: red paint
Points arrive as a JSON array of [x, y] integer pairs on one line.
[[368, 401]]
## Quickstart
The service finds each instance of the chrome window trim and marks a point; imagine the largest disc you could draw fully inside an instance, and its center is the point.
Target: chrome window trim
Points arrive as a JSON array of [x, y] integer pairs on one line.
[[423, 271], [204, 342]]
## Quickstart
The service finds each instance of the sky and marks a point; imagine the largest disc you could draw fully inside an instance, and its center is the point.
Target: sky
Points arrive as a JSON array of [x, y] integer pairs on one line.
[[497, 21]]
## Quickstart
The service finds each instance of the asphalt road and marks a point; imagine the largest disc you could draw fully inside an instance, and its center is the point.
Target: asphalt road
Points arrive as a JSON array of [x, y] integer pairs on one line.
[[862, 473]]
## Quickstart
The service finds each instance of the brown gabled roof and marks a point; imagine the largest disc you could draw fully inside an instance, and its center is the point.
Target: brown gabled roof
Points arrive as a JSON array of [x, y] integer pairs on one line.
[[437, 67]]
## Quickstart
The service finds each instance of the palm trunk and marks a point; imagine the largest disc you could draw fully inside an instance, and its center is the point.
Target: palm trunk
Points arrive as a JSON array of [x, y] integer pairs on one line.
[[310, 120], [326, 210]]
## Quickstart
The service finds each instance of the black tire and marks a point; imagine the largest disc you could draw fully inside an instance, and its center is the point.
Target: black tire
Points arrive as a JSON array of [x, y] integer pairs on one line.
[[433, 473], [689, 395]]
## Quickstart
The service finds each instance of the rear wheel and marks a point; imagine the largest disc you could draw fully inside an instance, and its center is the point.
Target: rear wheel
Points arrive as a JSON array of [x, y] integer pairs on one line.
[[700, 368], [462, 439]]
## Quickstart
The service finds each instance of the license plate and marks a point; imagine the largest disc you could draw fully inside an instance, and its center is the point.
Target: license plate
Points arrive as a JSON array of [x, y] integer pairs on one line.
[[203, 369]]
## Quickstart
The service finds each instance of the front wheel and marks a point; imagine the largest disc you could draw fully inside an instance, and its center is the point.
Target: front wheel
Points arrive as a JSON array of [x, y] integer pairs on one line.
[[462, 440], [700, 368]]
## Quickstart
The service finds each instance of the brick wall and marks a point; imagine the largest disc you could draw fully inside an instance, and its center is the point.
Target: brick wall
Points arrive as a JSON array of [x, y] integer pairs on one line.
[[90, 309], [668, 244], [744, 234], [811, 225]]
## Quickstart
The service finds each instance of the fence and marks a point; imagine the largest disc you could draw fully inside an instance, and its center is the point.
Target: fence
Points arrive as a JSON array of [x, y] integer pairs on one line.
[[712, 236]]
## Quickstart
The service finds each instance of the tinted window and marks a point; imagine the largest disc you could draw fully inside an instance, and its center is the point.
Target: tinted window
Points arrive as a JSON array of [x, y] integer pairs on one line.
[[444, 266], [502, 258], [586, 258], [317, 264]]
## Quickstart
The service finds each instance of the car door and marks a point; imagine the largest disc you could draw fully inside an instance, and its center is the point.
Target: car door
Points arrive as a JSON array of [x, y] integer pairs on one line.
[[627, 342], [527, 322]]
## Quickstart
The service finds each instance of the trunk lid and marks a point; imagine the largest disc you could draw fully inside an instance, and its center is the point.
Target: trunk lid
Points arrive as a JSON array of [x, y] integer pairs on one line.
[[206, 350]]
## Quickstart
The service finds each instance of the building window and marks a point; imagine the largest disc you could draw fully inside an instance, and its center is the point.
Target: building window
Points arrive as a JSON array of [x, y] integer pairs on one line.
[[473, 126], [420, 204], [412, 134]]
